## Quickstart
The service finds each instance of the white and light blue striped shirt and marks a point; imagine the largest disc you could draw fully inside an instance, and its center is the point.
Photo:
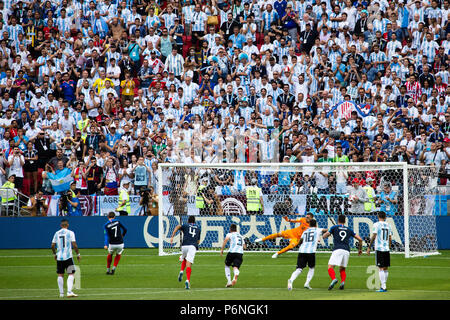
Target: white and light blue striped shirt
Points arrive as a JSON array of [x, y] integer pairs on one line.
[[383, 230], [236, 242], [63, 239], [311, 238]]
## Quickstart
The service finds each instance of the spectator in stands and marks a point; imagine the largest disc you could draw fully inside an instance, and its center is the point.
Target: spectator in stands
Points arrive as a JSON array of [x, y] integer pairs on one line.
[[170, 79]]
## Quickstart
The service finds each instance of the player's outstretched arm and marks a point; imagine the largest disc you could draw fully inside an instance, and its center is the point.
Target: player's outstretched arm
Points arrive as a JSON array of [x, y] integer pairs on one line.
[[292, 220]]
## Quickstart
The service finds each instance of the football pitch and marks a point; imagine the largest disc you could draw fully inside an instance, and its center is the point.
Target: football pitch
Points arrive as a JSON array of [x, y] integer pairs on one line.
[[143, 275]]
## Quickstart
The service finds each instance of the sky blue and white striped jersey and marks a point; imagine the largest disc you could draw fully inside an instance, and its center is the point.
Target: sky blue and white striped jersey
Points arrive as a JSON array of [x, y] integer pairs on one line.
[[236, 242], [63, 239], [383, 230], [310, 238]]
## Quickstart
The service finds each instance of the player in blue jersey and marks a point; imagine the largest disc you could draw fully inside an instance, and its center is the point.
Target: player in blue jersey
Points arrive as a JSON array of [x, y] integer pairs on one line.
[[189, 246], [307, 253], [62, 244], [382, 236], [235, 254], [341, 250], [114, 233]]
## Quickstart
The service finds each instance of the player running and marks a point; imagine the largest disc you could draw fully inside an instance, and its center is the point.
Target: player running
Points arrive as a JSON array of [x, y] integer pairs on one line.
[[341, 250], [293, 235], [235, 254], [62, 243], [307, 253], [191, 238], [114, 233], [382, 233]]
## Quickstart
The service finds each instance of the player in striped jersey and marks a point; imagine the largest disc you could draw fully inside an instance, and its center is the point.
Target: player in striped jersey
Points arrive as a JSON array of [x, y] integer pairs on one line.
[[235, 254], [382, 236], [307, 253], [62, 244]]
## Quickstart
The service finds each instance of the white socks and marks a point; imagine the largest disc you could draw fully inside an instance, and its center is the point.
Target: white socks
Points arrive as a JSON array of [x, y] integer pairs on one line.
[[295, 274], [61, 285], [236, 272], [309, 276], [383, 274], [70, 279], [228, 273], [298, 271]]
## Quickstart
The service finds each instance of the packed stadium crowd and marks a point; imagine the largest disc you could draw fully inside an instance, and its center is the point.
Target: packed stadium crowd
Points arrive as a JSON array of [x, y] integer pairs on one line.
[[106, 90]]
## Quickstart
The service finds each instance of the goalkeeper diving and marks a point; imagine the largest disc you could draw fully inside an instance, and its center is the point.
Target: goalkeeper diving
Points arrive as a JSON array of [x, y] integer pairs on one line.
[[294, 235]]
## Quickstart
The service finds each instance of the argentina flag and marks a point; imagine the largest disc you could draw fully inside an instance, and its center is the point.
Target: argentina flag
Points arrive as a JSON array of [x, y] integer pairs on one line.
[[60, 180]]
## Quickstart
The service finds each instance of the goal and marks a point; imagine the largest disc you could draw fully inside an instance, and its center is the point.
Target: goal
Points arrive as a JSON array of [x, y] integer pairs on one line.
[[256, 197]]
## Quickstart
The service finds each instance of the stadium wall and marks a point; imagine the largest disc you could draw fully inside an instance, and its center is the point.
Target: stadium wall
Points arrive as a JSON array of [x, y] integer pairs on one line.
[[37, 232]]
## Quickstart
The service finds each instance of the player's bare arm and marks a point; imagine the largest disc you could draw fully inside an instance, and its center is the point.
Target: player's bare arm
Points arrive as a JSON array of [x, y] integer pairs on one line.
[[223, 245], [178, 227], [372, 239], [54, 250], [75, 247], [360, 241]]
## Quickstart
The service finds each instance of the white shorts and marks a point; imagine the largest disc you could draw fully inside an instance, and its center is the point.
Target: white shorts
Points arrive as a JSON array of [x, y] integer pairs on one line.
[[115, 248], [339, 257], [188, 253]]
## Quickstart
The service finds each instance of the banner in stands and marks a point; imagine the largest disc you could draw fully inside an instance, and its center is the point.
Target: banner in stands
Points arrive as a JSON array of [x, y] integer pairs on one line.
[[23, 233], [346, 108], [273, 204], [94, 205], [106, 204]]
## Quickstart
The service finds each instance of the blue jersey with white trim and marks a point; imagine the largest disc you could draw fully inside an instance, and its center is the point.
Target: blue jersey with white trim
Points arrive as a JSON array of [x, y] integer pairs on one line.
[[191, 234], [114, 232], [341, 236]]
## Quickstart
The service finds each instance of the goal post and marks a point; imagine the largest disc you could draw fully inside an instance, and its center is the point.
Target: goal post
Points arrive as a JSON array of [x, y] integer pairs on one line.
[[256, 197]]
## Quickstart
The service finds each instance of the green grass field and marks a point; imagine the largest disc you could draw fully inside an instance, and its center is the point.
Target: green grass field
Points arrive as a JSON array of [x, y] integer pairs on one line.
[[143, 275]]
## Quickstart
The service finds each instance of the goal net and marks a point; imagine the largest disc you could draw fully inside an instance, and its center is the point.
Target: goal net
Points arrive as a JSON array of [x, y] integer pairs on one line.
[[256, 197]]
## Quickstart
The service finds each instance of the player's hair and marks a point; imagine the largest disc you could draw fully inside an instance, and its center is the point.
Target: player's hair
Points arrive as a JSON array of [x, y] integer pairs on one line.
[[313, 223], [233, 227], [382, 215], [191, 219], [64, 221], [111, 215], [310, 214], [341, 218]]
